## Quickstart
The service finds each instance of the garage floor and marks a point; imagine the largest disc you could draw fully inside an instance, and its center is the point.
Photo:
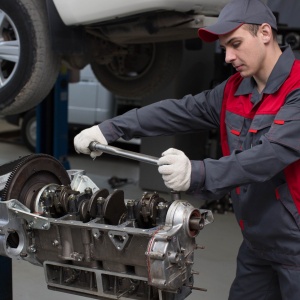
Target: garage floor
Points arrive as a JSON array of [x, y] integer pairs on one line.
[[215, 263]]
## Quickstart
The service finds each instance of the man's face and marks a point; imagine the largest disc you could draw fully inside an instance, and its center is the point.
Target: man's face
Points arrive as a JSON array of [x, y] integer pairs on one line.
[[244, 51]]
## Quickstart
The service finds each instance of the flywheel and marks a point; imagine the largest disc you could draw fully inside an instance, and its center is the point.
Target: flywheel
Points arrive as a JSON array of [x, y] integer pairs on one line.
[[29, 174]]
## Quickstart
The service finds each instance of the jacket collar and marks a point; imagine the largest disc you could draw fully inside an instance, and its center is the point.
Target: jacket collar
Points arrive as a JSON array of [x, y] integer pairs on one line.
[[277, 77]]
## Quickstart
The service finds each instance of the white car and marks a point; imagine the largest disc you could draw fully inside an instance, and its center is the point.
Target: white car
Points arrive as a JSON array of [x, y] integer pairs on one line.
[[133, 46]]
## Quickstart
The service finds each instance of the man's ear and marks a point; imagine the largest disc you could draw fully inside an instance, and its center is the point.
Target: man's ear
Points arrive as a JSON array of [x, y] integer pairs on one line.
[[265, 31]]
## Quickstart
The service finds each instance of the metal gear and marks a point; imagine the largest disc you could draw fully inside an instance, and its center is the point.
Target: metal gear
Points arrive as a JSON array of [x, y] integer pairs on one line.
[[29, 174]]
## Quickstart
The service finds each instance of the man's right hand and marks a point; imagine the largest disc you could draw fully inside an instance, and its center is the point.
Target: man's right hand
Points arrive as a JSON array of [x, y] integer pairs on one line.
[[85, 137]]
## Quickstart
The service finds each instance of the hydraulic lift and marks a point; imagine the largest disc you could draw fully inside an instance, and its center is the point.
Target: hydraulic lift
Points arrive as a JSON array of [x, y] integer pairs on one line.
[[52, 139], [52, 121]]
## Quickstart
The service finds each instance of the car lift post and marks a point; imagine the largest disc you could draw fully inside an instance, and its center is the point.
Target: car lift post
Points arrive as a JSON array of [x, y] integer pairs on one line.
[[52, 139], [52, 121], [6, 289]]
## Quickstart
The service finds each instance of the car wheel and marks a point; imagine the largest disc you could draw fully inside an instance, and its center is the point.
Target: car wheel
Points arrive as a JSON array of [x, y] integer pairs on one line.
[[28, 66], [28, 130], [143, 69]]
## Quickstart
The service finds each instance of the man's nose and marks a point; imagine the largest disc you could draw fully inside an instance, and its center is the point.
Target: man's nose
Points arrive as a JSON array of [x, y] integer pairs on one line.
[[229, 57]]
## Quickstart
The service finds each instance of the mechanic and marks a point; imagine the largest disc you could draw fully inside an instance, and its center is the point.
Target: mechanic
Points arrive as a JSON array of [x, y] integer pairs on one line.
[[258, 112]]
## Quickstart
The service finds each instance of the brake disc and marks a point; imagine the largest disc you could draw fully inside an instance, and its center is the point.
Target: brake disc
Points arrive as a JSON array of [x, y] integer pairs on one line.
[[31, 173]]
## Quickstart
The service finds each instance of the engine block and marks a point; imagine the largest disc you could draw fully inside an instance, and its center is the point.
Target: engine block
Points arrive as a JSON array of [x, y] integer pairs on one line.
[[95, 243]]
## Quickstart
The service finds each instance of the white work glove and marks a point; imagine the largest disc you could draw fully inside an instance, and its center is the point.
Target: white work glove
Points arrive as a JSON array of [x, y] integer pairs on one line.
[[83, 139], [176, 169]]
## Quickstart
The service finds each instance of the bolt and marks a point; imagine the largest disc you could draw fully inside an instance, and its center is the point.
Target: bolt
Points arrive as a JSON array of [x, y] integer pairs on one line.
[[45, 194], [32, 249], [88, 190], [130, 203], [161, 205], [44, 226], [71, 197], [55, 243], [100, 200]]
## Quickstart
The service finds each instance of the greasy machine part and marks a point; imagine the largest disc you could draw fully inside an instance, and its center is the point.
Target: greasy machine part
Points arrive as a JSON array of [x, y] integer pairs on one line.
[[31, 173], [95, 243]]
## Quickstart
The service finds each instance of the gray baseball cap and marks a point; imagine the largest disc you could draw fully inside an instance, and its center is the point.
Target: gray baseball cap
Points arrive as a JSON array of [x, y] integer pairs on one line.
[[235, 14]]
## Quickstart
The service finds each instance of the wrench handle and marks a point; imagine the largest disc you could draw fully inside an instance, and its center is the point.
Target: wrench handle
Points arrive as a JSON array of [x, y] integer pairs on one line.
[[94, 146]]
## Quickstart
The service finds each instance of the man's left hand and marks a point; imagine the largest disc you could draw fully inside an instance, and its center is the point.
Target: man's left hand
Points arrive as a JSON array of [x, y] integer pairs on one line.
[[175, 168]]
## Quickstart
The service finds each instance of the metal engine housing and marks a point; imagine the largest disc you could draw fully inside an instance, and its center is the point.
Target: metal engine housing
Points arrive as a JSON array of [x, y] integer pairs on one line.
[[95, 243]]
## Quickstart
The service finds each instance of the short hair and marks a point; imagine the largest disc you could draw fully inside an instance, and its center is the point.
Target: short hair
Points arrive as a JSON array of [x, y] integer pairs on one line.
[[253, 29]]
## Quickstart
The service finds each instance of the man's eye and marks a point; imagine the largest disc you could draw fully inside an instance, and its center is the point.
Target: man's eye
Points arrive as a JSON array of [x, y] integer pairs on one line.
[[236, 45]]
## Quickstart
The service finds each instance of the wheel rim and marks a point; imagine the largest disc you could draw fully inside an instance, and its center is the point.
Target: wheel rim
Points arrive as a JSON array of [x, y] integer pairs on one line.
[[135, 63], [9, 48]]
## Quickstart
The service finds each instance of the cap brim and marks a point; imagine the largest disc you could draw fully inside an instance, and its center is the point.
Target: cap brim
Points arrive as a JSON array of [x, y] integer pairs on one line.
[[212, 33]]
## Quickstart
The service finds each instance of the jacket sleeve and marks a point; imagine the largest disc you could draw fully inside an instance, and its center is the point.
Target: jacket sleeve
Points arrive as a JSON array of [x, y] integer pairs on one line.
[[277, 149], [167, 117]]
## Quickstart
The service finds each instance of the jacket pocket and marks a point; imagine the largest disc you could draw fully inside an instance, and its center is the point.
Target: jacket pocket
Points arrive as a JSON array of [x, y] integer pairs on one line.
[[260, 125], [285, 128], [234, 126], [284, 196]]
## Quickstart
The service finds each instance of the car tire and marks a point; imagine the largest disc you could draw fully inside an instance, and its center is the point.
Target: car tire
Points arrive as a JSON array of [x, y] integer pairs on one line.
[[28, 130], [31, 67], [144, 69]]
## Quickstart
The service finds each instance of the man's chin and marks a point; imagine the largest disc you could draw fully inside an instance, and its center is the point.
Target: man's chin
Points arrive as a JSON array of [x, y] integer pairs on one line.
[[245, 75]]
